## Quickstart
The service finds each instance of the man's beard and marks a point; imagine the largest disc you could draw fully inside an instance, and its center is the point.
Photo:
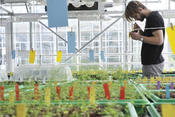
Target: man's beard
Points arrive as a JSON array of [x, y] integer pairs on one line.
[[142, 17]]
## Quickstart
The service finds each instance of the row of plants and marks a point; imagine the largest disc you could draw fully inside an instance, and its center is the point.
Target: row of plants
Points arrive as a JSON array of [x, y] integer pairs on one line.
[[118, 74], [67, 110], [80, 91], [35, 105], [158, 86]]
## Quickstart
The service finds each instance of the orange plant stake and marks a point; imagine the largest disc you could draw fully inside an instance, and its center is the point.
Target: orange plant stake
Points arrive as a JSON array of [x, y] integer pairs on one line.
[[122, 93], [17, 92], [89, 88], [58, 90], [71, 93], [36, 92], [2, 93]]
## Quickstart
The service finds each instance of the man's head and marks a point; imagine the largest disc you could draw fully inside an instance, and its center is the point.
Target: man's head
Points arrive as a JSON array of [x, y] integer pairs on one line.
[[134, 11]]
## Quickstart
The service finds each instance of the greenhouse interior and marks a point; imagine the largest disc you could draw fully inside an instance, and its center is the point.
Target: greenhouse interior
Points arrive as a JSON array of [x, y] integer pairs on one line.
[[87, 58]]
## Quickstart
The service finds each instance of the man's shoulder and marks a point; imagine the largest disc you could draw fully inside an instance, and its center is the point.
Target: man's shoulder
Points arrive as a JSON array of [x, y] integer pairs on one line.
[[155, 14]]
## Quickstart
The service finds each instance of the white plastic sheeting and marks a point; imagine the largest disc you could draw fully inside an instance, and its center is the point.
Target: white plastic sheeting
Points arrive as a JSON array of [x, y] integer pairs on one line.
[[3, 75], [43, 73]]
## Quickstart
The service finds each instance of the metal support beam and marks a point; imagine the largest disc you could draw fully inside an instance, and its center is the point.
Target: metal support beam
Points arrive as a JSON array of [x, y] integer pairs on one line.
[[9, 12], [94, 38], [31, 39], [9, 47], [78, 45], [100, 45], [30, 24], [27, 9], [55, 33]]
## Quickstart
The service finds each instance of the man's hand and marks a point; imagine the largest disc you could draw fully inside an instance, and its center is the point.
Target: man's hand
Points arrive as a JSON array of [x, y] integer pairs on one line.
[[135, 35], [136, 27]]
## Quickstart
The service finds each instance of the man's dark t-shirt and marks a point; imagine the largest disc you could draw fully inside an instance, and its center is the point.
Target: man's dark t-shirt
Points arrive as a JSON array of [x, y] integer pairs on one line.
[[151, 54]]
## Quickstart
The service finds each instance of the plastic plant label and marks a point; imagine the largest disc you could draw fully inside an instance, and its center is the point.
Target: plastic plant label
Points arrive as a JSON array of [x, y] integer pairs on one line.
[[91, 55], [59, 56], [167, 92], [71, 89], [47, 96], [125, 84], [171, 37], [172, 85], [17, 92], [110, 85], [32, 56], [11, 97], [21, 110], [55, 84], [107, 93], [122, 93], [92, 95], [168, 110], [2, 93], [158, 85]]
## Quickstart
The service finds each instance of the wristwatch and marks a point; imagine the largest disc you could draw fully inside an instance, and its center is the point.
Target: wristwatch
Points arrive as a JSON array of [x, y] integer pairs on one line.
[[142, 39]]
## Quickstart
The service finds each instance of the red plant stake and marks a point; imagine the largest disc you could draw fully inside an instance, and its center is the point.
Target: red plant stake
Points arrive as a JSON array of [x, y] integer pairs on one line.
[[58, 90], [2, 93], [36, 92], [71, 92], [107, 93], [89, 89], [17, 92], [122, 93]]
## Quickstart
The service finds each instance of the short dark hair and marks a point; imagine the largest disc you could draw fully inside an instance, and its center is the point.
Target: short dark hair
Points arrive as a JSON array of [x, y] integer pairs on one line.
[[132, 8]]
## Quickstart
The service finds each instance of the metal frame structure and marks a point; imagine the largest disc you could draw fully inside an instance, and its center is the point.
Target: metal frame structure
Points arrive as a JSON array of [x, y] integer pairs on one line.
[[36, 16]]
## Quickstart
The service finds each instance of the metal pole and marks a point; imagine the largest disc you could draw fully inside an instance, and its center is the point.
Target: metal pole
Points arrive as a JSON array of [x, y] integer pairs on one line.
[[10, 63], [93, 38], [78, 44], [31, 44], [9, 12], [125, 38], [100, 45], [27, 8]]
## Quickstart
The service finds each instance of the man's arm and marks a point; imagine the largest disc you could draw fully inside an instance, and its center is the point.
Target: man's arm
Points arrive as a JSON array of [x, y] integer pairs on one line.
[[156, 39]]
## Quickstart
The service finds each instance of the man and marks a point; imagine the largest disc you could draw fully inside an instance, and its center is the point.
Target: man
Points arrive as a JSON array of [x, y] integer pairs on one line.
[[152, 37]]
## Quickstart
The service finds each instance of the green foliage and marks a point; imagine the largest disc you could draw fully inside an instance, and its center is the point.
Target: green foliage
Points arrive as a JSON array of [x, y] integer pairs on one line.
[[91, 75], [118, 74]]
